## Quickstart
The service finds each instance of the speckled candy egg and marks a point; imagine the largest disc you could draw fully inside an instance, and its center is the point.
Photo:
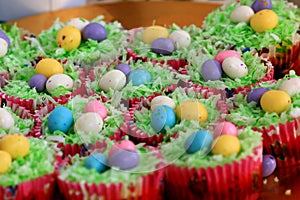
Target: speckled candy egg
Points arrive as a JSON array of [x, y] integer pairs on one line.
[[180, 38], [291, 86], [275, 101], [162, 117], [226, 145], [17, 145], [68, 37], [3, 47], [4, 37], [162, 101], [200, 140], [151, 33], [124, 159], [97, 107], [191, 110], [225, 128], [124, 144], [234, 67], [264, 20], [79, 23], [48, 67], [89, 122], [139, 76], [6, 119], [123, 67], [59, 80], [97, 161], [164, 46], [60, 119], [269, 165], [114, 79], [256, 94], [261, 5], [211, 70], [38, 82], [241, 14], [222, 55], [94, 31], [5, 160]]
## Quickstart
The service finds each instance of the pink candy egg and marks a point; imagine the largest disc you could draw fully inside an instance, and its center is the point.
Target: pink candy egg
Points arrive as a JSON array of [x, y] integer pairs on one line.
[[97, 107], [124, 144], [221, 56], [227, 128]]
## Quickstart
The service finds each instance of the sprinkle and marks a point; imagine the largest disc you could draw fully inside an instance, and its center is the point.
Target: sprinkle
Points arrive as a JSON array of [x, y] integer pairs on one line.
[[276, 179], [288, 192], [265, 181]]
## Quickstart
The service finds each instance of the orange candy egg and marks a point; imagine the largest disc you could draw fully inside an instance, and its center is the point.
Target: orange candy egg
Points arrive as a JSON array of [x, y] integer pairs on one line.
[[16, 145], [226, 145], [264, 20], [49, 67], [5, 160], [192, 110], [275, 101], [69, 37]]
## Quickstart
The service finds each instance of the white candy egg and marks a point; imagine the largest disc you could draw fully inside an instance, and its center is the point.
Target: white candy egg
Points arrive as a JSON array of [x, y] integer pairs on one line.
[[89, 122], [79, 23], [3, 47], [57, 80], [114, 79], [180, 38], [291, 86], [234, 67], [241, 14], [6, 119], [162, 101]]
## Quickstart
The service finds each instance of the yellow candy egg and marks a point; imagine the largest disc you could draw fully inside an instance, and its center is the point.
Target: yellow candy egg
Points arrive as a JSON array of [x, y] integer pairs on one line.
[[151, 33], [69, 37], [192, 110], [226, 145], [16, 145], [5, 160], [49, 67], [275, 101], [264, 20]]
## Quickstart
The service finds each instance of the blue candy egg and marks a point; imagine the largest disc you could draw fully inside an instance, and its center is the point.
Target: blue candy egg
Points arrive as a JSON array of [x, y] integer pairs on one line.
[[4, 37], [61, 119], [97, 161], [124, 159], [256, 94], [139, 77], [269, 165], [162, 117], [261, 5], [124, 68], [200, 140], [94, 31], [211, 70], [164, 46]]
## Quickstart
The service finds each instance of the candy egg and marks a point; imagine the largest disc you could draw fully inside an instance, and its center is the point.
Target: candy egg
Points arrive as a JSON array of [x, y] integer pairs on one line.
[[60, 119], [162, 101], [226, 145], [163, 46], [139, 76], [4, 37], [261, 5], [211, 70], [225, 128], [69, 37], [97, 107], [94, 31], [275, 101], [191, 110], [234, 67], [114, 79], [38, 82], [222, 55], [59, 80], [97, 161], [124, 159], [256, 94], [48, 67], [151, 33], [291, 86], [79, 23], [5, 160], [89, 122], [3, 47], [124, 68], [162, 117], [264, 20], [6, 119], [200, 140], [241, 14], [124, 144], [16, 145], [269, 165], [180, 38]]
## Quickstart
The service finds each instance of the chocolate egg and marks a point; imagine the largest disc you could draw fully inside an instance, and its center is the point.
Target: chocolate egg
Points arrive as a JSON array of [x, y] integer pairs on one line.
[[124, 159], [6, 119], [79, 23], [59, 80], [268, 165], [151, 33], [4, 37], [259, 5], [226, 145], [38, 82], [180, 38], [123, 67], [60, 119], [162, 117], [139, 76], [291, 86], [17, 145], [162, 101], [69, 38], [94, 31], [5, 160], [114, 79], [191, 110], [3, 47], [241, 14], [275, 101], [48, 67], [264, 20], [163, 46], [97, 161], [211, 70], [124, 144], [89, 122], [234, 67], [256, 94], [222, 55], [200, 140], [225, 128], [97, 107]]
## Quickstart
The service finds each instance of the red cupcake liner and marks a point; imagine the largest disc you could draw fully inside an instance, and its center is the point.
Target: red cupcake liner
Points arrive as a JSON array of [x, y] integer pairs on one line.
[[239, 180]]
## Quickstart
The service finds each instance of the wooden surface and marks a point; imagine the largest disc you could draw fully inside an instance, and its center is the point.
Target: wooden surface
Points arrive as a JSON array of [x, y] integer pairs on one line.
[[135, 14]]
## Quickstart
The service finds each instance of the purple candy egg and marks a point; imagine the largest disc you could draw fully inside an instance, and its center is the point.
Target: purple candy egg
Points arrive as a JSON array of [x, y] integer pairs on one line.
[[261, 5], [4, 37], [124, 68], [124, 159], [38, 82], [163, 46], [256, 94], [211, 70], [269, 165], [94, 31]]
